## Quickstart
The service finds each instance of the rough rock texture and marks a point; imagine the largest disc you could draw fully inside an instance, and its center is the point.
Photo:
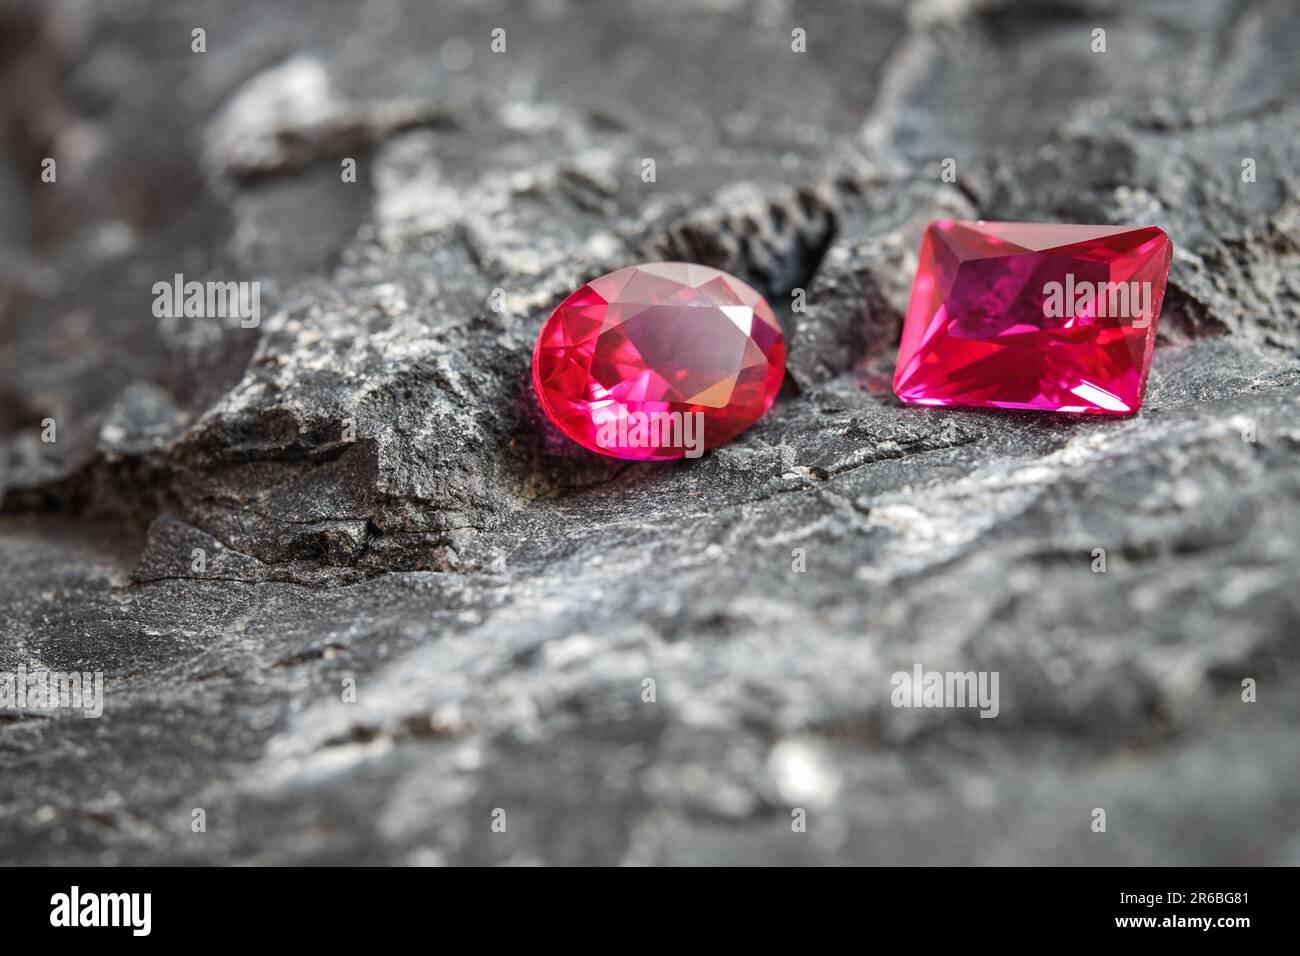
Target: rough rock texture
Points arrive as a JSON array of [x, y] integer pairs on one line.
[[378, 497]]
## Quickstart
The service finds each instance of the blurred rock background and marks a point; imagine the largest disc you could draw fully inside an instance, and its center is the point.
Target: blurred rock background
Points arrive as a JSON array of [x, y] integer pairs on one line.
[[500, 596]]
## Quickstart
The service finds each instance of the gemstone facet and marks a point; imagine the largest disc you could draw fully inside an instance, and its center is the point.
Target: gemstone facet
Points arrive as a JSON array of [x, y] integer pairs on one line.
[[659, 361], [1031, 315]]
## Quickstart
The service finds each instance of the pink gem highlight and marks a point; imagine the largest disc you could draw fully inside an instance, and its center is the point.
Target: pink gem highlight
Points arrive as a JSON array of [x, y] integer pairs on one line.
[[659, 361], [1030, 315]]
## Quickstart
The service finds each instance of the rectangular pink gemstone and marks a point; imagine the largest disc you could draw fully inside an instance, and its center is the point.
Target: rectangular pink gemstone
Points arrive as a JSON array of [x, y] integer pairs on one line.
[[1033, 315]]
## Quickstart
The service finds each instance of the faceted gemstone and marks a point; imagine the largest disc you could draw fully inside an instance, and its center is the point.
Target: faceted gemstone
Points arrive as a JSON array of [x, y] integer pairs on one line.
[[659, 361], [1029, 315]]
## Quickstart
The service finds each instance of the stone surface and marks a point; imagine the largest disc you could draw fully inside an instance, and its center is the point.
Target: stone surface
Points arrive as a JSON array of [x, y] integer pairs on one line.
[[500, 596]]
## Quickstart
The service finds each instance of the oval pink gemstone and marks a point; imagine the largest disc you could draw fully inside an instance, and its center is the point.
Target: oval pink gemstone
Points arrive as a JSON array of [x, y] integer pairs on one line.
[[658, 361]]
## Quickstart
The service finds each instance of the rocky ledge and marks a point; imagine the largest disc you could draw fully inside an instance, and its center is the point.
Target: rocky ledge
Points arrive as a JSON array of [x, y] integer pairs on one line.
[[427, 629]]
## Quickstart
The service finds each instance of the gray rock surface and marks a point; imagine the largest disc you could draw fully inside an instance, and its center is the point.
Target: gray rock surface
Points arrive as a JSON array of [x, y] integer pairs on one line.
[[498, 595]]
